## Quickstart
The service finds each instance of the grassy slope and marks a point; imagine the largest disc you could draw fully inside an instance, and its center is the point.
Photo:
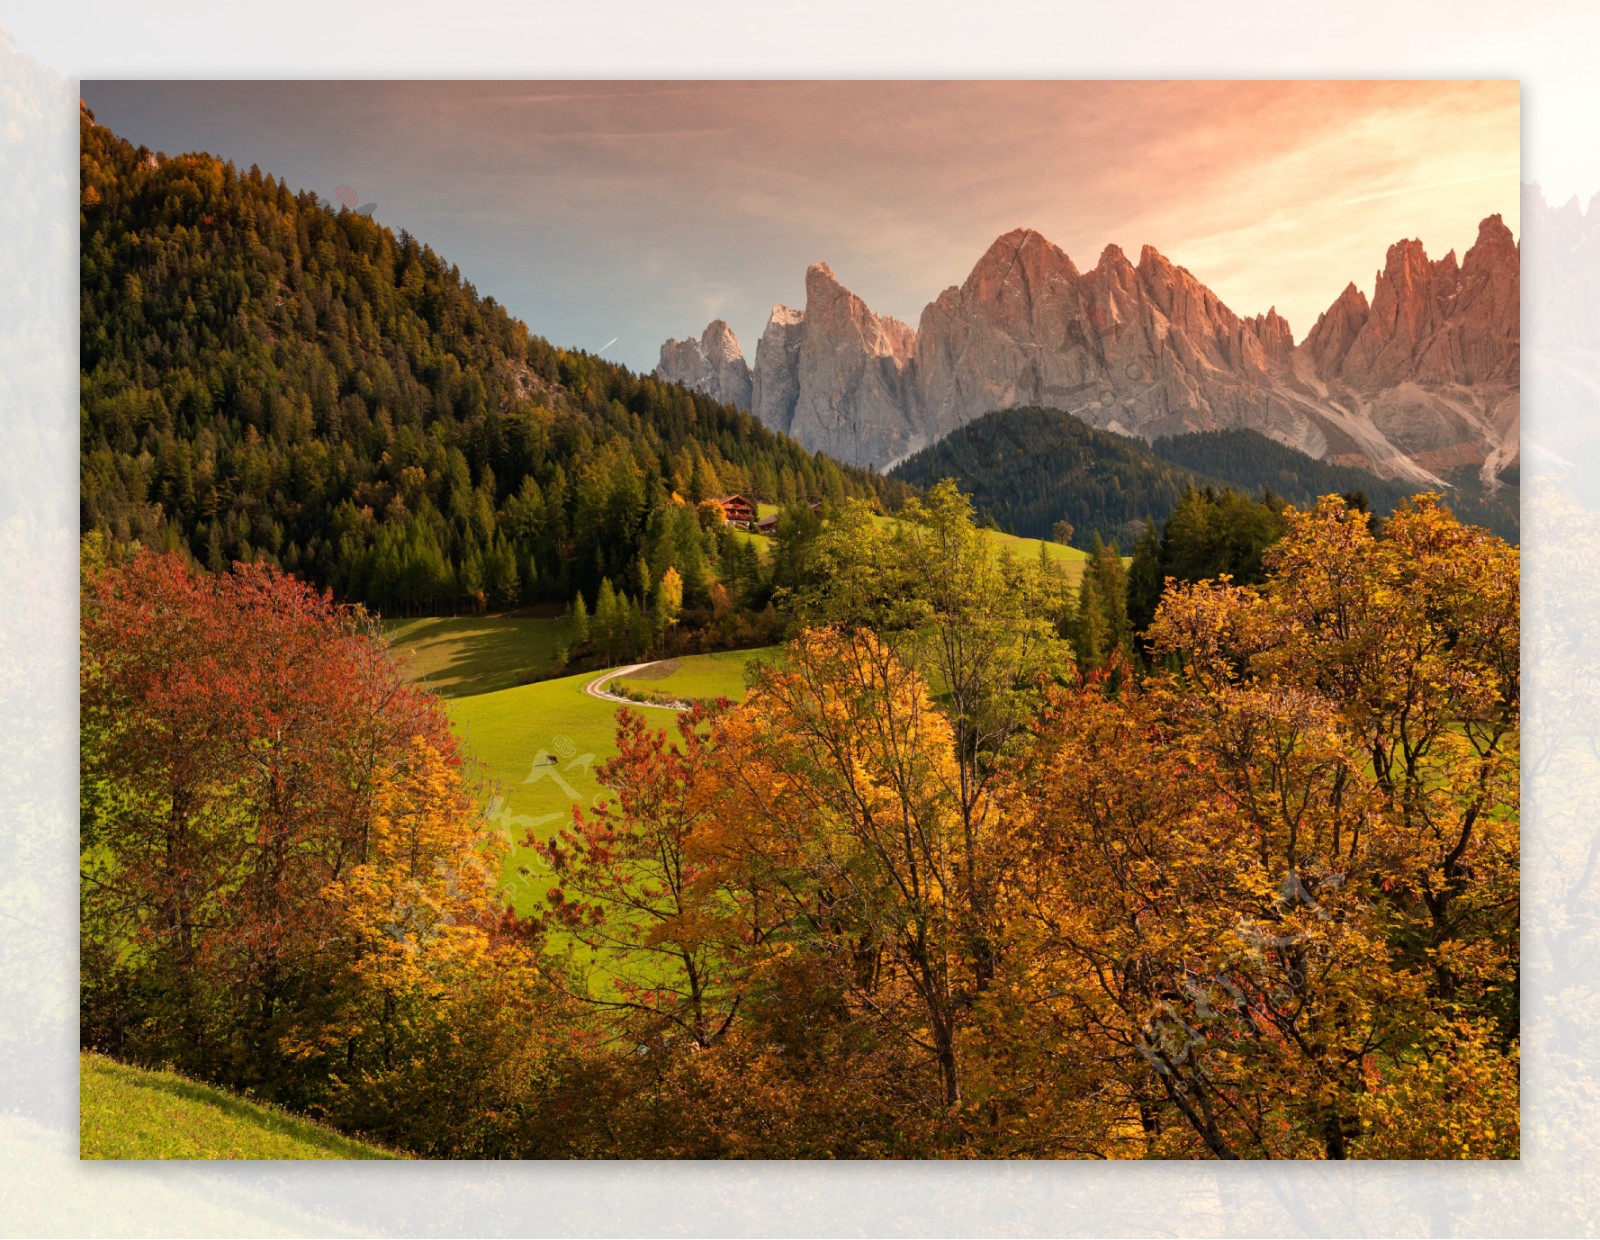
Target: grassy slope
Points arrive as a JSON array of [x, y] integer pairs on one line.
[[538, 747], [1024, 548], [127, 1112], [1070, 558], [700, 677], [458, 656]]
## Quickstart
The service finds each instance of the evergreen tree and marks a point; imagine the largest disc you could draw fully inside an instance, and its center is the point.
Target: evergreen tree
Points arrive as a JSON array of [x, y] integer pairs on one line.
[[578, 621], [610, 621], [1144, 580], [1089, 637]]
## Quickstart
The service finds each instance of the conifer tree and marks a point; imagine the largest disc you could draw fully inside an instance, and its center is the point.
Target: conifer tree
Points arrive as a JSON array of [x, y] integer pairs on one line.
[[578, 621]]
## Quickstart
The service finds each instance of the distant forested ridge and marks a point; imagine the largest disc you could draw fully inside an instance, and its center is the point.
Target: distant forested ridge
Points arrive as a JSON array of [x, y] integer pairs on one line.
[[267, 379], [1030, 468], [1249, 460]]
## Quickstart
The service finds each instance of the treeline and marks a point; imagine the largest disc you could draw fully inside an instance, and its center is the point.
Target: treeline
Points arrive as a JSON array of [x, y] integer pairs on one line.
[[267, 380], [1043, 473], [935, 889], [1251, 462]]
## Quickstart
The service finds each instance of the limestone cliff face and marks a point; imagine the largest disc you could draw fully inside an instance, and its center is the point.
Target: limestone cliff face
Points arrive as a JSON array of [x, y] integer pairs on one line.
[[1142, 349], [712, 363], [852, 376], [1432, 322], [1433, 365], [1421, 379], [776, 386], [836, 375]]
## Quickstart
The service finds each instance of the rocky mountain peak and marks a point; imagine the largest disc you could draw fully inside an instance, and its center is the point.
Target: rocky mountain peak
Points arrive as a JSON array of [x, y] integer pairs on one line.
[[711, 362], [821, 276], [1112, 258], [1151, 350], [833, 310], [1336, 328], [719, 343]]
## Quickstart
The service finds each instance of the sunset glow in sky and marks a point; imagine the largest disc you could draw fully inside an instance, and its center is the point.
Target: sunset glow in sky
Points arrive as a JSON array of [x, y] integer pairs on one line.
[[638, 211]]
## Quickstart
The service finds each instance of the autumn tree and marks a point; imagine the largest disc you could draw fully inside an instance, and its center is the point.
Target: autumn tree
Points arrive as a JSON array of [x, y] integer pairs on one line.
[[436, 1003], [844, 822], [986, 636], [236, 731], [1275, 891], [633, 886], [669, 600]]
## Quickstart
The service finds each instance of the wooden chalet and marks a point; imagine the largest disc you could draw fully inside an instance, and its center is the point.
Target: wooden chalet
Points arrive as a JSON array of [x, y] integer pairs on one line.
[[737, 510]]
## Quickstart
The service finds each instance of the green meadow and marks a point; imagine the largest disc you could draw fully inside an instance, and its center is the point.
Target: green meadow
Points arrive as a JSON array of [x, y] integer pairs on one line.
[[457, 656], [127, 1112], [537, 748], [1070, 558], [696, 678]]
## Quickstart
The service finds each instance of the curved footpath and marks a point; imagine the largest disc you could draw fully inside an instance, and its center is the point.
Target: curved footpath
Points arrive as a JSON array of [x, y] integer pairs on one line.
[[596, 688]]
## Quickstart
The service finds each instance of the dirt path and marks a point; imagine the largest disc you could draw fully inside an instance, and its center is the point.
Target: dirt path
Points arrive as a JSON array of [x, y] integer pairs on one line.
[[596, 688]]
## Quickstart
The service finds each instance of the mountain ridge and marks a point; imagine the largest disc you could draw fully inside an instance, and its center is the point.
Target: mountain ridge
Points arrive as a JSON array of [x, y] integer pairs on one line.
[[1417, 382]]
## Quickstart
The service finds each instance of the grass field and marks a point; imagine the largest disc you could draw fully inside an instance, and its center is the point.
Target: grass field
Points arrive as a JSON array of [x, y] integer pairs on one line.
[[459, 656], [698, 678], [127, 1112], [1070, 558], [760, 542], [538, 747]]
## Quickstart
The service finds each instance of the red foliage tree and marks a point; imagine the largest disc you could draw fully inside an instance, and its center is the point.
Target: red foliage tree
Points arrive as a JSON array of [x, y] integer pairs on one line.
[[233, 730]]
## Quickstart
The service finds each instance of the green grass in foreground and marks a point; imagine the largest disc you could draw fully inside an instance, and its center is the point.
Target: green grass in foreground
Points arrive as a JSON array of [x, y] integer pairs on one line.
[[130, 1113], [458, 656]]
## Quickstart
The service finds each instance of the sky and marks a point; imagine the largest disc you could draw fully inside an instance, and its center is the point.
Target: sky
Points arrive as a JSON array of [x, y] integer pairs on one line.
[[612, 215]]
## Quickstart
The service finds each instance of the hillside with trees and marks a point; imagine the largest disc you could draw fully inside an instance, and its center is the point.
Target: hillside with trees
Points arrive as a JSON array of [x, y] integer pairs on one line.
[[1031, 469], [1249, 461], [266, 379], [1042, 472], [955, 879]]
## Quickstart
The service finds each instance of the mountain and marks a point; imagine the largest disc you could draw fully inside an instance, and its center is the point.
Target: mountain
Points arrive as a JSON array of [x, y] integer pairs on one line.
[[1028, 468], [266, 378], [1433, 363], [711, 363], [1420, 381], [850, 374]]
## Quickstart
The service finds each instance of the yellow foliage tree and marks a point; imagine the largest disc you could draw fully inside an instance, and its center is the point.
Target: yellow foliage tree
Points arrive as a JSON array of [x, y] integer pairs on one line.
[[844, 821]]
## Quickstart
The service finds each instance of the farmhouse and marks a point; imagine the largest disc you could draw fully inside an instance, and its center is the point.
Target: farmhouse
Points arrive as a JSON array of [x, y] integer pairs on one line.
[[737, 510]]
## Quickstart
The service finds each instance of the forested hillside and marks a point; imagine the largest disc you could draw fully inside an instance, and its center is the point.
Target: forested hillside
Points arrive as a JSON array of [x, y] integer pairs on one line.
[[266, 379], [1031, 468], [1249, 460]]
